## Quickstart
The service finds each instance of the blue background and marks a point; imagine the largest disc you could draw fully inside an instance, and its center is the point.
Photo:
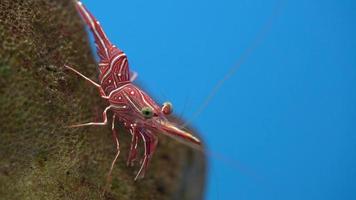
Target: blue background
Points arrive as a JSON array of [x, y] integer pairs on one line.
[[283, 126]]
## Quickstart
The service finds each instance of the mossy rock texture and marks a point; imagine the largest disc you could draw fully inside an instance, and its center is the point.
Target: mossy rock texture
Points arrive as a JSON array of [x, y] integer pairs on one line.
[[42, 159]]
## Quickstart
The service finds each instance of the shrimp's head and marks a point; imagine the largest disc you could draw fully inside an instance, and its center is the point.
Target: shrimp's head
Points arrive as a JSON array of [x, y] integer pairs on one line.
[[146, 114]]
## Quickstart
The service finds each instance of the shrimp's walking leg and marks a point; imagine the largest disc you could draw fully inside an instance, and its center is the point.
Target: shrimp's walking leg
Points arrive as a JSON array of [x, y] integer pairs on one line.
[[150, 143], [133, 147], [116, 139], [102, 93], [105, 118]]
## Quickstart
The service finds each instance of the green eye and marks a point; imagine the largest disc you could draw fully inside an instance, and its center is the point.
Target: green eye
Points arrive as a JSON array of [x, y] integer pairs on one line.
[[147, 112]]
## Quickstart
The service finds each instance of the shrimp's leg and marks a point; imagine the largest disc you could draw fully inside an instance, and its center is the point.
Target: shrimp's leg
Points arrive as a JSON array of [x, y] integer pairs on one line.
[[105, 118], [102, 93], [133, 147], [150, 142], [116, 139]]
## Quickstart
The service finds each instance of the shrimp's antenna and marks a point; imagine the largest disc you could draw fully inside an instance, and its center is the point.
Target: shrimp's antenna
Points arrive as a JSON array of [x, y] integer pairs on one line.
[[185, 106], [257, 41]]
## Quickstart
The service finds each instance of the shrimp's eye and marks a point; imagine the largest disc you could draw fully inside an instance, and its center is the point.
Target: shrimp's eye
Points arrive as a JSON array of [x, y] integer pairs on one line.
[[167, 108], [147, 112]]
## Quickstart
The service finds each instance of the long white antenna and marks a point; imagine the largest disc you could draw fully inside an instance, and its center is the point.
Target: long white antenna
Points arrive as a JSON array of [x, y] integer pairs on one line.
[[259, 38]]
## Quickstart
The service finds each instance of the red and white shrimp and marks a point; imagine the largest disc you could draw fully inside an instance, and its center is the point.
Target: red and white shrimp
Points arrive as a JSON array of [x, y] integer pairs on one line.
[[130, 105]]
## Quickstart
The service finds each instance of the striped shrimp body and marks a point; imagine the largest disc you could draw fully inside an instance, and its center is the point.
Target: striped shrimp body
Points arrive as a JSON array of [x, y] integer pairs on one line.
[[130, 105]]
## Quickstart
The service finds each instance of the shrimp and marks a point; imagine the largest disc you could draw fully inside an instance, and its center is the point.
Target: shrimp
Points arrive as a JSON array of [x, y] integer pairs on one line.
[[130, 105]]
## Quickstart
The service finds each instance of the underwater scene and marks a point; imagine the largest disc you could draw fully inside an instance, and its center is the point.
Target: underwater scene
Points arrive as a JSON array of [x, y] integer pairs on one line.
[[197, 99]]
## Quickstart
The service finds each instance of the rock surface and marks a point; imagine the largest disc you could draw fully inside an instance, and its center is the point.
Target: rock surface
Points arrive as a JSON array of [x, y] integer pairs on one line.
[[42, 159]]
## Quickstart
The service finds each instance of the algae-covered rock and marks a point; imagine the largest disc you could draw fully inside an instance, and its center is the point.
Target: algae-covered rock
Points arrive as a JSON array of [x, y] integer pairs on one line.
[[42, 159]]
